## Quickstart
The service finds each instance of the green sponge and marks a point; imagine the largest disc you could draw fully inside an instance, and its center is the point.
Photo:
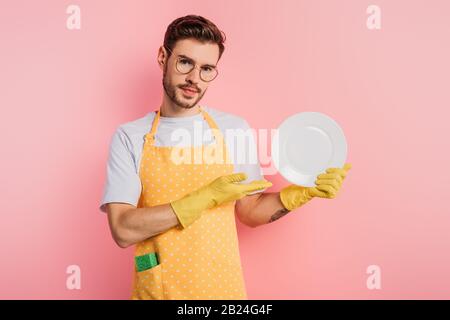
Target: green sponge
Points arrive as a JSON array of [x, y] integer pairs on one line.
[[146, 261]]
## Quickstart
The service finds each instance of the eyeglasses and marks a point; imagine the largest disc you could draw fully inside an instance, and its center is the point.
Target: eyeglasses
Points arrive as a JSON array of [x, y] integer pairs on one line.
[[185, 65]]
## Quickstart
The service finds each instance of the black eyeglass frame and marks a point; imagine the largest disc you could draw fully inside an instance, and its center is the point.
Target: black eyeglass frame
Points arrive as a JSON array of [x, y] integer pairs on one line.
[[194, 67]]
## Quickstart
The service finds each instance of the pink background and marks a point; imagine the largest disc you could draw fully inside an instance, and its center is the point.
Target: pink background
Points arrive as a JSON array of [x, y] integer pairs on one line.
[[64, 92]]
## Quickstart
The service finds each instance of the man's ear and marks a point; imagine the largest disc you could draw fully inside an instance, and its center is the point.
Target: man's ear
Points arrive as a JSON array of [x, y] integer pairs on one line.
[[162, 57]]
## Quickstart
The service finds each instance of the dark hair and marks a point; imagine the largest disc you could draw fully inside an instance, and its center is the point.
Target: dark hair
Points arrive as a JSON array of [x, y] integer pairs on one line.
[[193, 26]]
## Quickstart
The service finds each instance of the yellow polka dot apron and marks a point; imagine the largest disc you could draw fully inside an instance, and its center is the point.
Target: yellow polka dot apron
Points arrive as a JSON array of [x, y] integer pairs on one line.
[[201, 261]]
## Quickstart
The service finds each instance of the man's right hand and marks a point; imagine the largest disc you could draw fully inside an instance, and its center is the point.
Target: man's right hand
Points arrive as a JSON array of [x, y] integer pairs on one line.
[[221, 190]]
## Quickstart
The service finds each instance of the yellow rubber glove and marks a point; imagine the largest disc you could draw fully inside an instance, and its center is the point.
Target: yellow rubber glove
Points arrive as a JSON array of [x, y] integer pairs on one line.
[[221, 190], [327, 186]]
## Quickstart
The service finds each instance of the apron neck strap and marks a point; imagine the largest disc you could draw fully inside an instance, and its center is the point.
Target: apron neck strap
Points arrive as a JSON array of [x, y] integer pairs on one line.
[[212, 124]]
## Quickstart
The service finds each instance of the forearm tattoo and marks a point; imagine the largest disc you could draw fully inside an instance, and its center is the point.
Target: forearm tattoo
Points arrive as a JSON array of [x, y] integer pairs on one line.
[[277, 215]]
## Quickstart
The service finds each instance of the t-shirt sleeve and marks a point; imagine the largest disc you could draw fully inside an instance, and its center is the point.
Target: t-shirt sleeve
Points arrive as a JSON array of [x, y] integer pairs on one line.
[[122, 180], [246, 154]]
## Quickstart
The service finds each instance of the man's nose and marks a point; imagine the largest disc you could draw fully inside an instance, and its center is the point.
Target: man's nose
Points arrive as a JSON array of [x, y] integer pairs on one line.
[[193, 76]]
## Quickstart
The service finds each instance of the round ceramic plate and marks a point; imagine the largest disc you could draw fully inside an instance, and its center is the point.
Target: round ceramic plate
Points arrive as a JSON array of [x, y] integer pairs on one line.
[[305, 145]]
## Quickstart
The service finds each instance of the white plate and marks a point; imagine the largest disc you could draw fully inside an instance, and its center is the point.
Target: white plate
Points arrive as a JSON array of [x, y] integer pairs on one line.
[[305, 145]]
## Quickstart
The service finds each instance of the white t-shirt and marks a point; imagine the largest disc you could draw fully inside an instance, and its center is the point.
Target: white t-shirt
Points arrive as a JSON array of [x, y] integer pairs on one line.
[[123, 183]]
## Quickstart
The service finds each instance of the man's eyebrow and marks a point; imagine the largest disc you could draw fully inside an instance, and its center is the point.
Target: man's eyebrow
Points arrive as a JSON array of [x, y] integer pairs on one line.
[[189, 58]]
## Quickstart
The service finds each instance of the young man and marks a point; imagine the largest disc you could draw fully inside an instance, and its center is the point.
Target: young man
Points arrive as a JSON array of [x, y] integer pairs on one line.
[[181, 216]]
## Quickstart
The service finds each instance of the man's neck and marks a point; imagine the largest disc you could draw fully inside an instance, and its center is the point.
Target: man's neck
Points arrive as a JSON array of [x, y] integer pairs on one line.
[[172, 110]]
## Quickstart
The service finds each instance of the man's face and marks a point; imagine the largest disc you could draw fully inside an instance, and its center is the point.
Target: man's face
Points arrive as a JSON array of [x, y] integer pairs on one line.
[[174, 82]]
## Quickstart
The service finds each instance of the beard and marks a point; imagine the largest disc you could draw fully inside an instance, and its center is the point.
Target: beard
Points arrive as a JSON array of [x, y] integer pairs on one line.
[[171, 91]]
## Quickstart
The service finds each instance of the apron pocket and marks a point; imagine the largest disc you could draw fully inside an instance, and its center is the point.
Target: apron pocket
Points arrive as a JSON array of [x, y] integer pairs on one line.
[[148, 277], [148, 284]]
